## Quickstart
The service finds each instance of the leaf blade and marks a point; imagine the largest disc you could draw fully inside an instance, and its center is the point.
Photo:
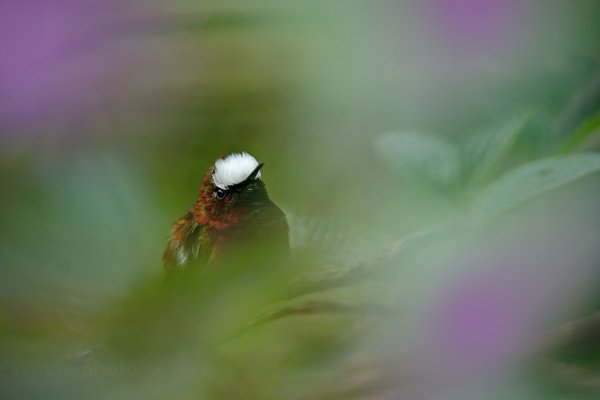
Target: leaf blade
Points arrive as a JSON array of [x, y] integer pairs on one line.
[[427, 157], [530, 180], [485, 150]]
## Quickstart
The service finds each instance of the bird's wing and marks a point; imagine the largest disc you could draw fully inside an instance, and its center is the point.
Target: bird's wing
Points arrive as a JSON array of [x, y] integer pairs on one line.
[[190, 244]]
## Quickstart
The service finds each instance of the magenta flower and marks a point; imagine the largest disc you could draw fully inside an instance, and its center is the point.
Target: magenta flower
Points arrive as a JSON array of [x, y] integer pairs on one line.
[[55, 56], [478, 23]]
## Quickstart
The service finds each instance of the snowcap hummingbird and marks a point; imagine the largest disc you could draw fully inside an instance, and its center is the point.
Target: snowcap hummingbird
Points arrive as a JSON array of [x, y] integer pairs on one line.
[[232, 214]]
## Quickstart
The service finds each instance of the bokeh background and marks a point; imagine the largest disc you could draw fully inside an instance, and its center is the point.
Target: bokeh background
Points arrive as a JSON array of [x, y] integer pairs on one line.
[[440, 153]]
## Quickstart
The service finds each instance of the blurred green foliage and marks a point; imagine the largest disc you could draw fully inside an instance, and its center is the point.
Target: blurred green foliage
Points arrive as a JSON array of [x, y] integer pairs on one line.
[[398, 152]]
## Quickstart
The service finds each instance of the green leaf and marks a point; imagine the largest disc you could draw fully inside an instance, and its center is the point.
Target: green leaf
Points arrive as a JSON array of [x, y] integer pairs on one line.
[[425, 156], [530, 180], [583, 133], [334, 241], [485, 150]]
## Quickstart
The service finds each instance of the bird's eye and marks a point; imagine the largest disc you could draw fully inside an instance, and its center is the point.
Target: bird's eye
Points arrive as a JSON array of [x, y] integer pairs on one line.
[[220, 193]]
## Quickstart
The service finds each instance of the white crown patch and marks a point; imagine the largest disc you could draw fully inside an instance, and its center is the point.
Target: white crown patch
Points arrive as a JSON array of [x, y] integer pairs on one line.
[[233, 169]]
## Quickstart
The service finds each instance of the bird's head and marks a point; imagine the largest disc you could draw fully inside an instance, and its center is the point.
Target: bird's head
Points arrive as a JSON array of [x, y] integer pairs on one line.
[[232, 192]]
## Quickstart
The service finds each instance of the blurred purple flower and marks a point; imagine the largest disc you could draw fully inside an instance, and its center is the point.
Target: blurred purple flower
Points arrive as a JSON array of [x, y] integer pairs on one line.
[[497, 308], [482, 322], [477, 23], [52, 58]]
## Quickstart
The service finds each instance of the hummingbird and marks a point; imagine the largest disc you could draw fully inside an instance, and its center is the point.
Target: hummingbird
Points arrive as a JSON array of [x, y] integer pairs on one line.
[[232, 215]]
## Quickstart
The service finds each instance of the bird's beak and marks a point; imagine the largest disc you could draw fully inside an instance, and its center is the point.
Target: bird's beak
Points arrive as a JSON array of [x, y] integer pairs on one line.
[[255, 172]]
